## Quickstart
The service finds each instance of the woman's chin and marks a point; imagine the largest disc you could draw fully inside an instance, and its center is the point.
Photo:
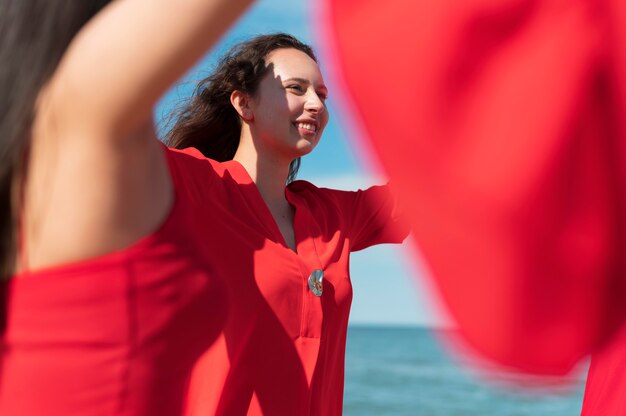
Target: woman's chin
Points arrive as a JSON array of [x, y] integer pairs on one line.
[[306, 146]]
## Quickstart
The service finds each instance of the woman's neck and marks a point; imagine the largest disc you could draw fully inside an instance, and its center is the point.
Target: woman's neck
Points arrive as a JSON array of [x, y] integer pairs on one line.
[[269, 174]]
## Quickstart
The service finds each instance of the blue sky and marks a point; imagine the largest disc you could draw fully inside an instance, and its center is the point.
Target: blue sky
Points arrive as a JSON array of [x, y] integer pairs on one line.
[[388, 289]]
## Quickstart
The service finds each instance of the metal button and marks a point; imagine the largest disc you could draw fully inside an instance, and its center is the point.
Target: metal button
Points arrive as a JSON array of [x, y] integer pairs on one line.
[[315, 282]]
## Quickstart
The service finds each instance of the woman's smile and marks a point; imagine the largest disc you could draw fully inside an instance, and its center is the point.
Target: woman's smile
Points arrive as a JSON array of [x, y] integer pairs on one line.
[[307, 129]]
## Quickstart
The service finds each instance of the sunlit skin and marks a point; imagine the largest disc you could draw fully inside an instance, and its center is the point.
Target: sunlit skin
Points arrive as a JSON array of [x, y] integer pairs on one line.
[[281, 122]]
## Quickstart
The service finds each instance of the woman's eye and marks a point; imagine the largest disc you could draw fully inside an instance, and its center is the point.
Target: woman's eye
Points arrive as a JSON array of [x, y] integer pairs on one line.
[[296, 87]]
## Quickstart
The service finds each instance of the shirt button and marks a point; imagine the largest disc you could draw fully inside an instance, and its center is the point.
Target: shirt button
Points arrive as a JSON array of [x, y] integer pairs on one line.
[[315, 282]]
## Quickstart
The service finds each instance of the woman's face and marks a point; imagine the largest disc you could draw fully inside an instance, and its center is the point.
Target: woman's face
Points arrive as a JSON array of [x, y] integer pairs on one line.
[[289, 106]]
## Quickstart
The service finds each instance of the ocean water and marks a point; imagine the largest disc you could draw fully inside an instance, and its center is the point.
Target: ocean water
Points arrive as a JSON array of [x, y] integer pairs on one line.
[[405, 371]]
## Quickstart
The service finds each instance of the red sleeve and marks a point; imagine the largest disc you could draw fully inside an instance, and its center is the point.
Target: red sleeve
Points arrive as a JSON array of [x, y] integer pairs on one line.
[[373, 217], [193, 175], [501, 124]]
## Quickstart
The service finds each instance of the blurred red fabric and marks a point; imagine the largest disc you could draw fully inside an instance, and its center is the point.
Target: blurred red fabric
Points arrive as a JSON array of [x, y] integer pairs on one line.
[[501, 123]]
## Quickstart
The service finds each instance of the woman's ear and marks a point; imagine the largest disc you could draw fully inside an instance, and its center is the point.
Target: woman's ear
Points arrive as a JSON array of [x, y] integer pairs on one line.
[[241, 101]]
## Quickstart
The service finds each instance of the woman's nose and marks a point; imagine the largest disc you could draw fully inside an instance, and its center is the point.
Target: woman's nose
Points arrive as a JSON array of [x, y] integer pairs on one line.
[[314, 103]]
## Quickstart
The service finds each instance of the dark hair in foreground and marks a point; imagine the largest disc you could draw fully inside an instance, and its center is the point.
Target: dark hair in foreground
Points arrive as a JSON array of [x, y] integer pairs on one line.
[[208, 121], [34, 35]]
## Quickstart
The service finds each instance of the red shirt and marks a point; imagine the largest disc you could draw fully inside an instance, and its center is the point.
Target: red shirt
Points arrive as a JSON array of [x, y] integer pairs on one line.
[[282, 349], [119, 334]]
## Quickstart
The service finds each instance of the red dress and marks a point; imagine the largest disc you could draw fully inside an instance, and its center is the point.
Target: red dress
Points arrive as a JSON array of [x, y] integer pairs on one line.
[[282, 349], [114, 335], [120, 334]]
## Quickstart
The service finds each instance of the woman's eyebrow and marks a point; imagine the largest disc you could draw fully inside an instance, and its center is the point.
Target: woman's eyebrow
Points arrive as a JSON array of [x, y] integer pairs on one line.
[[300, 80]]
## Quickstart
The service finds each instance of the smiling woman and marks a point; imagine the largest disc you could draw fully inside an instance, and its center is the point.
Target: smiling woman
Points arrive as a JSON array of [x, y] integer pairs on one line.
[[283, 246]]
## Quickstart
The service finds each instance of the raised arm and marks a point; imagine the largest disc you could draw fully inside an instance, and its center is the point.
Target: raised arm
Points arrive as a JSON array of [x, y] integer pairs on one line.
[[129, 54], [97, 178]]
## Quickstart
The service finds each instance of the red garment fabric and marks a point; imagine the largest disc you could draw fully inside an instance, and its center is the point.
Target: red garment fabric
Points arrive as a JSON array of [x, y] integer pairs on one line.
[[282, 348], [501, 122], [606, 381], [113, 335]]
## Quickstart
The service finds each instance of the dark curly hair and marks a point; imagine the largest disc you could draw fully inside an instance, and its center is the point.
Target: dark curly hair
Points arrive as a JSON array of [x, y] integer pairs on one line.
[[208, 121]]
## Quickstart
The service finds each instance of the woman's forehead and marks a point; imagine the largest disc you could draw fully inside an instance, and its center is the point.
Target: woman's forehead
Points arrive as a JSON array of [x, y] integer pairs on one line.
[[293, 63]]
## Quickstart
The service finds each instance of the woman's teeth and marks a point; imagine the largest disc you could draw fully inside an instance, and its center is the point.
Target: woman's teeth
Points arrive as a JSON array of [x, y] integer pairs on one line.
[[307, 126]]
